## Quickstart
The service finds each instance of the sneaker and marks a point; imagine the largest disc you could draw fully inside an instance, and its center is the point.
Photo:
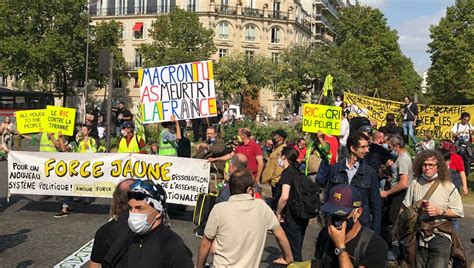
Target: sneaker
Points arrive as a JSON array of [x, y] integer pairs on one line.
[[391, 256], [61, 214]]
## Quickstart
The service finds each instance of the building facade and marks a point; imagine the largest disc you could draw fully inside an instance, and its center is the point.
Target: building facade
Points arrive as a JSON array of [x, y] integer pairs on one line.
[[264, 27]]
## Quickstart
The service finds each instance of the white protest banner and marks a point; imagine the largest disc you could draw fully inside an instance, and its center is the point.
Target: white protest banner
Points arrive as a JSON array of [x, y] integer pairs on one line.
[[185, 91], [96, 175]]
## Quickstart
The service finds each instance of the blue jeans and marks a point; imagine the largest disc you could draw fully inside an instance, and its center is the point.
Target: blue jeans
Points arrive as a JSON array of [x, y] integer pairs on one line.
[[409, 131], [118, 132], [437, 255]]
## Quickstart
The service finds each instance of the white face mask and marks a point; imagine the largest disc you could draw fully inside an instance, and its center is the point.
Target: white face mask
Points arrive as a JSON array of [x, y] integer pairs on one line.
[[138, 222], [281, 163]]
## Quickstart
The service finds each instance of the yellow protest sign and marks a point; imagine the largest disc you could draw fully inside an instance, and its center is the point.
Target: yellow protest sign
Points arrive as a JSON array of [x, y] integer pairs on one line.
[[59, 119], [322, 117], [29, 121], [439, 119]]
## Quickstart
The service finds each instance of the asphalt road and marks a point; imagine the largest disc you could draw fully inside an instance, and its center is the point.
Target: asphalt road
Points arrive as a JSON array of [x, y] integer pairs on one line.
[[31, 237]]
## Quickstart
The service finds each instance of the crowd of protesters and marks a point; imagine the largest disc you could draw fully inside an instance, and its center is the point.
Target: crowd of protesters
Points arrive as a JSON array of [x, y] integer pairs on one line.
[[385, 196]]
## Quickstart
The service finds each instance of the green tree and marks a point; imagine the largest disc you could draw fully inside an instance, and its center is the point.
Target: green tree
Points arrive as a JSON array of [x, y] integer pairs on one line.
[[301, 68], [107, 35], [40, 41], [369, 52], [178, 37], [451, 75], [239, 75]]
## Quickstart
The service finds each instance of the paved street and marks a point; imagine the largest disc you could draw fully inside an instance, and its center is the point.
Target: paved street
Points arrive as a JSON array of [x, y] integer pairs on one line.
[[31, 237]]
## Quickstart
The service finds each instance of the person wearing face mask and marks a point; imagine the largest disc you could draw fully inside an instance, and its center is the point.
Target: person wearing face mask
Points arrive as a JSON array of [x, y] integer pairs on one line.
[[378, 155], [354, 171], [212, 147], [395, 191], [345, 242], [153, 244], [294, 228], [434, 236], [272, 172], [251, 150], [130, 143]]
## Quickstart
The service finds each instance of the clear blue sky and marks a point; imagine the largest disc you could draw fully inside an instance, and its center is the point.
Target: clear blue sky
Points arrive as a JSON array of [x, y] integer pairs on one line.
[[412, 19]]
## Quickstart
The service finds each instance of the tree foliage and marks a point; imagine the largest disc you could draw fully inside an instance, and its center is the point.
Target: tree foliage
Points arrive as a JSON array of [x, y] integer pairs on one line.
[[451, 75], [178, 37], [43, 43], [369, 52], [239, 76]]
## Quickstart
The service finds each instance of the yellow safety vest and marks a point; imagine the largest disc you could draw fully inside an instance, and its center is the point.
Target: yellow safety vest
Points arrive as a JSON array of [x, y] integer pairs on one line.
[[90, 143], [46, 145], [132, 147]]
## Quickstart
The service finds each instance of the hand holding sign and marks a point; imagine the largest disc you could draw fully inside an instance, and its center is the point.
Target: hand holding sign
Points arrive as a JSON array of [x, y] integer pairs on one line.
[[322, 119]]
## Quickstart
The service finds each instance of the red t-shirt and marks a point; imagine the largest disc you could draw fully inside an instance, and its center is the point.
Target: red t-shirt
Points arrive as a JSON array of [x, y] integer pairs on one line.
[[301, 152], [333, 147], [251, 150], [456, 163]]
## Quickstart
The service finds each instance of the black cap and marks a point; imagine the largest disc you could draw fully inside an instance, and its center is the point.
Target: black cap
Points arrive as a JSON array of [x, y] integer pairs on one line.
[[342, 200], [128, 124], [280, 132]]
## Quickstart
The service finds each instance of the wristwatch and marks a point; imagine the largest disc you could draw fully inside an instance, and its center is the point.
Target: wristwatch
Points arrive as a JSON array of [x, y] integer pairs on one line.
[[338, 251]]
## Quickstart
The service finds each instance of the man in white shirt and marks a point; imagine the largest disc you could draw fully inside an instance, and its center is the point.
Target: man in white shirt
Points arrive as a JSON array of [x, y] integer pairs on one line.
[[238, 228], [462, 132], [345, 127]]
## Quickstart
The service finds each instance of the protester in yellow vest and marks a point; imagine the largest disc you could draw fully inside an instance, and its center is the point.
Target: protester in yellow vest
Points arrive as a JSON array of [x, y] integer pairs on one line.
[[49, 142], [86, 143], [168, 138], [130, 143]]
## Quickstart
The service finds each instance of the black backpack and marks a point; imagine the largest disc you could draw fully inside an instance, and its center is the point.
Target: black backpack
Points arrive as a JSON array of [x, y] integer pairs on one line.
[[304, 202]]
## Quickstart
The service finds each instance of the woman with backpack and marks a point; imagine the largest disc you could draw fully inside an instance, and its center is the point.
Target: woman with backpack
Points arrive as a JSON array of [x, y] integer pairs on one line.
[[294, 227]]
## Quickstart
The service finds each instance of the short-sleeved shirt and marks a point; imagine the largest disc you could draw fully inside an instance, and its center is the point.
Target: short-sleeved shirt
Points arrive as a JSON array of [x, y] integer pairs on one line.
[[405, 167], [239, 227], [375, 253], [251, 150], [456, 162], [463, 129], [125, 113], [333, 147], [445, 196], [344, 131]]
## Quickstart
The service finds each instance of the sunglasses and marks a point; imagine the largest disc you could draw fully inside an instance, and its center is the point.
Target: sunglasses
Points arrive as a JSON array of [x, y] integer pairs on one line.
[[139, 196]]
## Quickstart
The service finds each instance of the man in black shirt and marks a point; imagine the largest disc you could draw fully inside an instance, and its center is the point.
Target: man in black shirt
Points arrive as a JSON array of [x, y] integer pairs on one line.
[[410, 115], [377, 155], [345, 242], [123, 115], [153, 244], [391, 127]]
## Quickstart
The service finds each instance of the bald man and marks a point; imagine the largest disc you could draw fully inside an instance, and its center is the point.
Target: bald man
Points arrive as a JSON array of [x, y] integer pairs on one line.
[[378, 155]]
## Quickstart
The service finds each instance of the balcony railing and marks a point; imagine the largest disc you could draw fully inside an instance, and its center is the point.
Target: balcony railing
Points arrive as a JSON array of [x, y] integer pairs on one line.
[[277, 14], [323, 20], [122, 11], [328, 6], [252, 12], [224, 9]]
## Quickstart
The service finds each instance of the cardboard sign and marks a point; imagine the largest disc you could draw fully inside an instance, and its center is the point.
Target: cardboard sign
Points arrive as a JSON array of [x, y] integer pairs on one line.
[[185, 91], [326, 119], [439, 119], [96, 175], [59, 119], [30, 121]]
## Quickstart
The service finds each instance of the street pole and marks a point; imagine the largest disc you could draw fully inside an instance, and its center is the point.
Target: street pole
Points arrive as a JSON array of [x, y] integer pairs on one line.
[[86, 79], [109, 99]]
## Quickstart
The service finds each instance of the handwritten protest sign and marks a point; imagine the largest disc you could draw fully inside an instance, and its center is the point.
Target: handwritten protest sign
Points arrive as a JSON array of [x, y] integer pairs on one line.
[[439, 119], [96, 175], [326, 119], [183, 90], [30, 121], [59, 119]]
